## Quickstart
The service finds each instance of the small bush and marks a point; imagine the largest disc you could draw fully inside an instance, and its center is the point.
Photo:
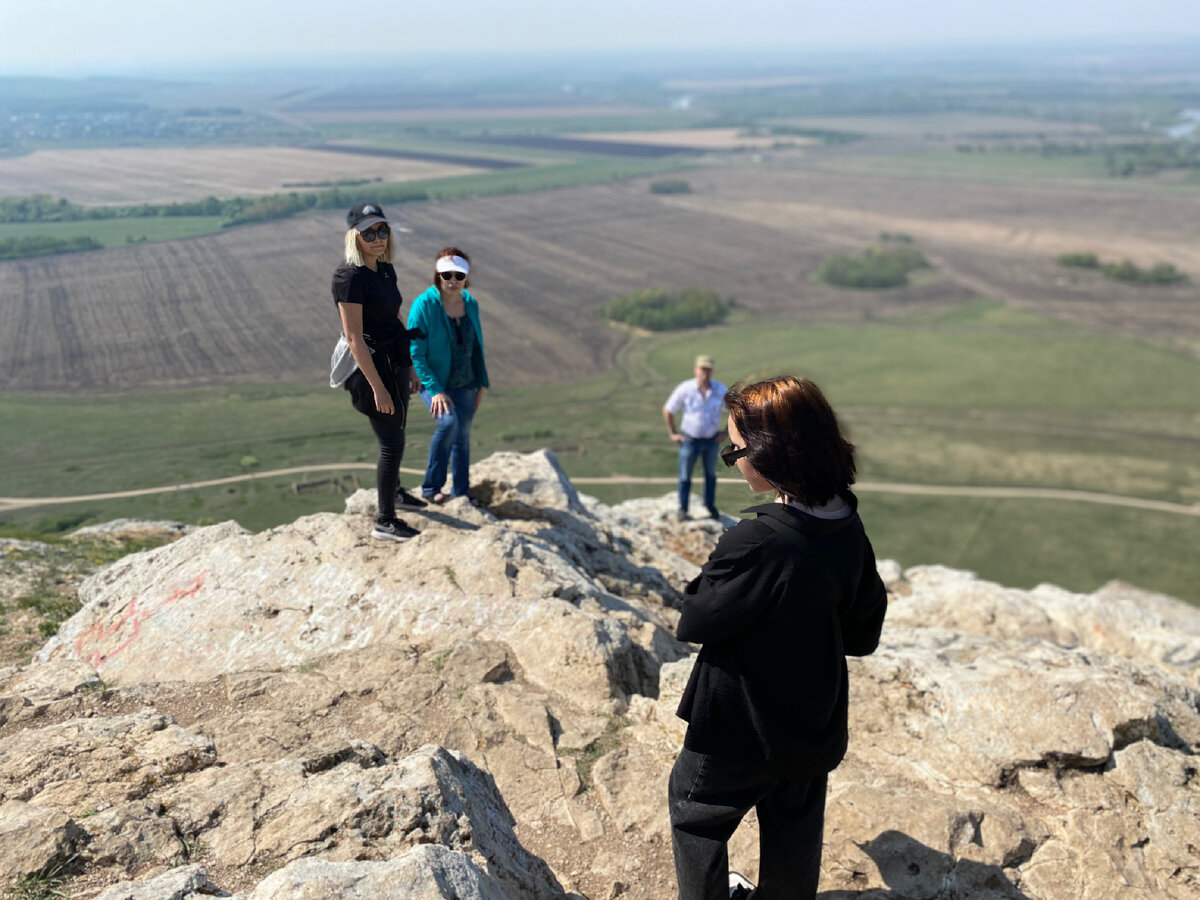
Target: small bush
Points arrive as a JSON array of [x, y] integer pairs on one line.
[[670, 186], [878, 267], [659, 310], [1079, 260], [1162, 273]]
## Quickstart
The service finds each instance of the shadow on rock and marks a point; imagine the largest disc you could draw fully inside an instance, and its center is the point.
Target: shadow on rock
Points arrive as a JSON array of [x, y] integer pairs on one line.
[[912, 870]]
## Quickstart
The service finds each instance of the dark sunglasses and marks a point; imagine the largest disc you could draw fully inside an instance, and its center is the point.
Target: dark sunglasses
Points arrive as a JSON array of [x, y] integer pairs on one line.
[[371, 235], [731, 454], [457, 276]]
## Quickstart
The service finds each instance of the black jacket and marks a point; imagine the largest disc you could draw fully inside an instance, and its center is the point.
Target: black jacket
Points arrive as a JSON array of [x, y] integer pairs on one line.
[[777, 614]]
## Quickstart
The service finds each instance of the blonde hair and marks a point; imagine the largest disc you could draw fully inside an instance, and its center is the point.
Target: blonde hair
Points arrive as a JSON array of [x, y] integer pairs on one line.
[[354, 254]]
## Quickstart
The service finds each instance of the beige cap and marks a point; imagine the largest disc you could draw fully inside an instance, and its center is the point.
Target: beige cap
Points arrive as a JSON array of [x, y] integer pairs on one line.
[[704, 362]]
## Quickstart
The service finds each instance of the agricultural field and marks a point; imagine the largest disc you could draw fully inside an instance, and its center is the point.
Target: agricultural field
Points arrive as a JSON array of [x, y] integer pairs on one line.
[[140, 366], [978, 395], [131, 175], [547, 260], [693, 138]]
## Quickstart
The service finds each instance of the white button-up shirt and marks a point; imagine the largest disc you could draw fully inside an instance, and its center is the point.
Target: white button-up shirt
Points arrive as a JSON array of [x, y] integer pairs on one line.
[[701, 411]]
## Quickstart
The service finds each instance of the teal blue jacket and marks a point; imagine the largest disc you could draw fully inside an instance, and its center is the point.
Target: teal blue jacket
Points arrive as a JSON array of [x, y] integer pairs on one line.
[[431, 354]]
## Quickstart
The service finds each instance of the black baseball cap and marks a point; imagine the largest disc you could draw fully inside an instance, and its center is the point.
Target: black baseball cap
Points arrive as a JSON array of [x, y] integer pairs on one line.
[[365, 215]]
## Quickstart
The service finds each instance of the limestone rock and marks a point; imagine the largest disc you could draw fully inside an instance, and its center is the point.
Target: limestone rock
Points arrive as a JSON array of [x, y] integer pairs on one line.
[[183, 883], [33, 839], [52, 681], [525, 486], [134, 528], [569, 601], [428, 872], [81, 764], [267, 700], [1118, 619]]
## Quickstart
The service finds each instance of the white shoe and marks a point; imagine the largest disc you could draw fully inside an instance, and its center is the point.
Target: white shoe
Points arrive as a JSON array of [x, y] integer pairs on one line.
[[739, 886]]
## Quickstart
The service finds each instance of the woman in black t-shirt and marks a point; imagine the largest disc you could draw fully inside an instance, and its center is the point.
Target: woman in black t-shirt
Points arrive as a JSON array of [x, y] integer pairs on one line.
[[368, 301]]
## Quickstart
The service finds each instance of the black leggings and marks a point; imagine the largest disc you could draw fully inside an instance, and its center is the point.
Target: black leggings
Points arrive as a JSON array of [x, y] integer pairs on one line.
[[390, 432]]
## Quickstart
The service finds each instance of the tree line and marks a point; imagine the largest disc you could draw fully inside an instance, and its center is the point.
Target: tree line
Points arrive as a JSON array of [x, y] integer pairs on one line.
[[44, 245], [233, 211], [1125, 270]]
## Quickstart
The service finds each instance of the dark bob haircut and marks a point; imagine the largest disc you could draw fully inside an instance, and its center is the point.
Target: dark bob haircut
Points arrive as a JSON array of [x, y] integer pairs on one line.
[[451, 251], [793, 438]]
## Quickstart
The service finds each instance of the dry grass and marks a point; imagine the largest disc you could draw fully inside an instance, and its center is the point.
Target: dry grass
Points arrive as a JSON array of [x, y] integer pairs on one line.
[[145, 175]]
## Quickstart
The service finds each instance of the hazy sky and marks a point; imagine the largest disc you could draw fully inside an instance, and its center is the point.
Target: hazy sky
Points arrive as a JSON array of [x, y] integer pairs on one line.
[[76, 36]]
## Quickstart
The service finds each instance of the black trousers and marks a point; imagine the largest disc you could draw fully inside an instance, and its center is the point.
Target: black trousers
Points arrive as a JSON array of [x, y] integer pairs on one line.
[[710, 795], [389, 429]]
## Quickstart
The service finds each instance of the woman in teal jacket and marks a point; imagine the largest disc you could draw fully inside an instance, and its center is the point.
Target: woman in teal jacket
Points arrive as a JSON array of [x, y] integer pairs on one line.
[[449, 363]]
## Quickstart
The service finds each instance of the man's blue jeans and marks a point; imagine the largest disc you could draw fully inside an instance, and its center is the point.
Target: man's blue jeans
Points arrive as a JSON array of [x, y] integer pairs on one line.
[[704, 449], [450, 444]]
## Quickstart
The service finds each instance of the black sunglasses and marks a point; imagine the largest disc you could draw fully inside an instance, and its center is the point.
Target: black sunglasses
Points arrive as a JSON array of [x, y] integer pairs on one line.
[[372, 235], [457, 276], [731, 454]]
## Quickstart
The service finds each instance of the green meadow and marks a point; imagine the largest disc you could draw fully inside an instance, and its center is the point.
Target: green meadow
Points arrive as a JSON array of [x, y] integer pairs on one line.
[[979, 396], [1008, 166], [118, 232]]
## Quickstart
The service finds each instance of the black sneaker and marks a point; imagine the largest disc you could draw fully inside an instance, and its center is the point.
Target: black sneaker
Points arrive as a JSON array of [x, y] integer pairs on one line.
[[740, 887], [393, 530], [405, 499], [713, 513]]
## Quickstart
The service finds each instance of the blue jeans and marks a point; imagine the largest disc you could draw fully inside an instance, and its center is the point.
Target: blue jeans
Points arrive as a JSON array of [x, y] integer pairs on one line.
[[689, 451], [450, 444]]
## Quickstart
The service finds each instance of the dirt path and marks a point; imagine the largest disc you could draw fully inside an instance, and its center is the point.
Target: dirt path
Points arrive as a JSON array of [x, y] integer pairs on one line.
[[866, 487]]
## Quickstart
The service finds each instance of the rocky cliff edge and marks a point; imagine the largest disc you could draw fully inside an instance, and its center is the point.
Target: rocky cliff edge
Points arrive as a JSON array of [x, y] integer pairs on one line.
[[487, 711]]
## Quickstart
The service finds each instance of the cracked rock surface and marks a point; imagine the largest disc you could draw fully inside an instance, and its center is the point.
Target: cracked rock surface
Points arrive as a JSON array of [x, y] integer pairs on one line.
[[488, 710]]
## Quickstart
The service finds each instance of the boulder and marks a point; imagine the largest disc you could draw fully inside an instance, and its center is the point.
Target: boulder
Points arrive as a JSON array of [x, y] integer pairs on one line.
[[182, 883], [571, 603], [34, 839], [429, 872]]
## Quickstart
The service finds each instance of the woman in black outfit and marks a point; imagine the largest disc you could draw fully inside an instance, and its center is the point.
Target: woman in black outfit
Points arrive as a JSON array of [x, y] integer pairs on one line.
[[368, 301], [780, 603]]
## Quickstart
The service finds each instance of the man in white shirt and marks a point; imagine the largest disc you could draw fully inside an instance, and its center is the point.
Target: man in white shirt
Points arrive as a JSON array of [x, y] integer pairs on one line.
[[699, 435]]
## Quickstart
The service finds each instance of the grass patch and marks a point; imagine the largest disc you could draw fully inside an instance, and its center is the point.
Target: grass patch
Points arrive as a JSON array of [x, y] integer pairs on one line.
[[116, 232], [595, 170], [473, 126], [1006, 167], [51, 576], [1023, 543], [49, 884], [608, 741]]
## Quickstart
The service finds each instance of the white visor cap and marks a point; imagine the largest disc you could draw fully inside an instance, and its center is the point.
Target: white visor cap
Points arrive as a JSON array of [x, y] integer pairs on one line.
[[453, 264]]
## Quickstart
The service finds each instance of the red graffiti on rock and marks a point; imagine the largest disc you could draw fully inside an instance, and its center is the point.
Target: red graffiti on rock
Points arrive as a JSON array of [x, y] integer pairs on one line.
[[101, 642]]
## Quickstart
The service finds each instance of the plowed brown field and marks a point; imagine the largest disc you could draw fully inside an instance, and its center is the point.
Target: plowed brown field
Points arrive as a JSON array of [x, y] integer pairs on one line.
[[253, 304], [123, 175]]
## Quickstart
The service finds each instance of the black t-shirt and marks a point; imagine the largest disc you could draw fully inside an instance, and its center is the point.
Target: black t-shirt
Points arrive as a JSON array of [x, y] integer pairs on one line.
[[380, 299]]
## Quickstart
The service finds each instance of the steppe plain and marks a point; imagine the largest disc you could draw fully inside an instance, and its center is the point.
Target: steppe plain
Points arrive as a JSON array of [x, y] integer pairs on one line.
[[204, 357]]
